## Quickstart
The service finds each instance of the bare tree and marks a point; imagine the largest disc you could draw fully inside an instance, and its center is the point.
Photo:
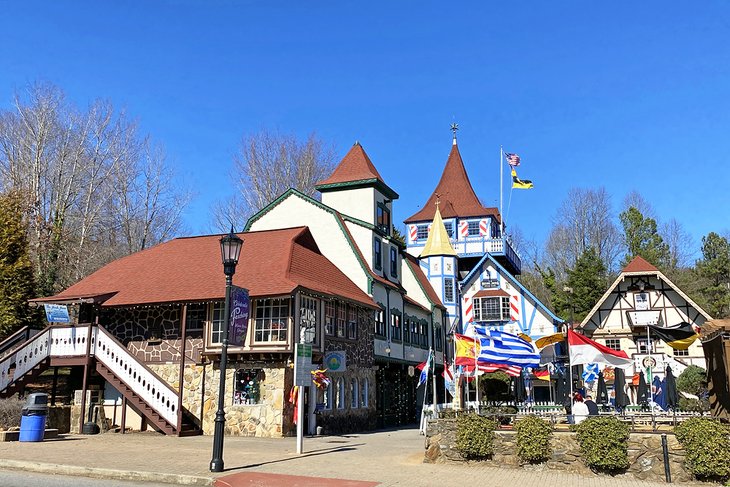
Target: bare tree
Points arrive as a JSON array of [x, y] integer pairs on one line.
[[266, 165], [680, 244], [635, 199], [70, 166]]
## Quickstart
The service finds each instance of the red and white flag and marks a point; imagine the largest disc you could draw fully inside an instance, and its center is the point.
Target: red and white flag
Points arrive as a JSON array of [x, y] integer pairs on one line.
[[583, 351]]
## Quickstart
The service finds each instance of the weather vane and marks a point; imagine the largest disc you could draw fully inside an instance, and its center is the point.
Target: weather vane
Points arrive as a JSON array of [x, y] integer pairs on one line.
[[454, 128], [438, 199]]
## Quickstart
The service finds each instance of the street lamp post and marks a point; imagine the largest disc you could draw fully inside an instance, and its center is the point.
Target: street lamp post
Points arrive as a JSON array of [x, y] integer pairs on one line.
[[230, 251]]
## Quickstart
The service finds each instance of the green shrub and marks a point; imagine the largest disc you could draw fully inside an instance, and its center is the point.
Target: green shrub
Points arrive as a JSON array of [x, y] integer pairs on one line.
[[502, 414], [692, 380], [533, 439], [707, 446], [10, 410], [603, 443], [696, 405], [475, 436]]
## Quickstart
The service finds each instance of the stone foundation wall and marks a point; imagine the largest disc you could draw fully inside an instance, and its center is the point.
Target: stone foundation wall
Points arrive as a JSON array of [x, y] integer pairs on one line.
[[645, 452]]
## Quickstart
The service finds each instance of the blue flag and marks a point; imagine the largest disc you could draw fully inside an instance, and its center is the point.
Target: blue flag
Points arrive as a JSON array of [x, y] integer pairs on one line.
[[426, 368]]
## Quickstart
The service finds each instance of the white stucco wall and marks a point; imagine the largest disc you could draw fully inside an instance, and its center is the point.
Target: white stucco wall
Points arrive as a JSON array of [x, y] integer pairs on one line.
[[359, 203]]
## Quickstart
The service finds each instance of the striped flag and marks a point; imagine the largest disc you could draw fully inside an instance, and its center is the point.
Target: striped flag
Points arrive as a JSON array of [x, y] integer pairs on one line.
[[511, 370], [448, 375], [512, 159], [498, 347], [425, 369]]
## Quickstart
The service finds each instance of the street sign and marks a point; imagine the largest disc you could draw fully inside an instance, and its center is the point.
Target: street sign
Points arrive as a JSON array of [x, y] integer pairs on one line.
[[56, 313], [302, 364], [239, 316]]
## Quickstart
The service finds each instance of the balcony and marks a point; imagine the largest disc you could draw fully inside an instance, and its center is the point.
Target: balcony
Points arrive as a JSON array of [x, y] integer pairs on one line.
[[499, 248]]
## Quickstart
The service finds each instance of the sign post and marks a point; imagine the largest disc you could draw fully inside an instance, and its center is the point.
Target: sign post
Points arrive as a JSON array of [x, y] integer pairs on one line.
[[303, 379]]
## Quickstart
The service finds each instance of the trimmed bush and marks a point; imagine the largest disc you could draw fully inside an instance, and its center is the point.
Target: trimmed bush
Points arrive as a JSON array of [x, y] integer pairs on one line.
[[707, 443], [502, 414], [475, 436], [603, 443], [10, 411], [533, 439]]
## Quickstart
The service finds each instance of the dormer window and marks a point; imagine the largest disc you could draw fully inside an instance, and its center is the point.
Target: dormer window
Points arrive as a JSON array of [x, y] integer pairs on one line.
[[383, 219], [422, 232]]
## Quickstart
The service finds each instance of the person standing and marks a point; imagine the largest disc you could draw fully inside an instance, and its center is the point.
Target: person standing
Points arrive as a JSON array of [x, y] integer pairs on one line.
[[580, 410], [591, 405]]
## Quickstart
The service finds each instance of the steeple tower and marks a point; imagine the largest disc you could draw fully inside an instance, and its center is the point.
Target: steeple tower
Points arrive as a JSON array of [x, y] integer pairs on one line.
[[438, 242]]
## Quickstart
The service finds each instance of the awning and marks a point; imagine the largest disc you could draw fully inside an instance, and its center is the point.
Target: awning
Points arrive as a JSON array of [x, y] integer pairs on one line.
[[94, 298]]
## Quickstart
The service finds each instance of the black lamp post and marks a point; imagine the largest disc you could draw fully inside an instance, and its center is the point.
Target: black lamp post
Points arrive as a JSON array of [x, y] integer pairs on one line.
[[230, 251]]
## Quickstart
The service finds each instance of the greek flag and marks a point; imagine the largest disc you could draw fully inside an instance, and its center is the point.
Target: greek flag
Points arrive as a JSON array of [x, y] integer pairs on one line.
[[498, 347], [590, 373]]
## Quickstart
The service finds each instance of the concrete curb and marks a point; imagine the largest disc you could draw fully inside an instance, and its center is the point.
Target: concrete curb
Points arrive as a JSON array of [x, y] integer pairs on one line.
[[105, 473]]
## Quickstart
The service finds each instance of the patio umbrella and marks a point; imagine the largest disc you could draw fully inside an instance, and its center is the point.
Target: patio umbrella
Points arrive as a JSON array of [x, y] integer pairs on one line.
[[520, 388], [642, 393], [619, 382], [561, 389], [601, 390], [658, 393], [670, 389]]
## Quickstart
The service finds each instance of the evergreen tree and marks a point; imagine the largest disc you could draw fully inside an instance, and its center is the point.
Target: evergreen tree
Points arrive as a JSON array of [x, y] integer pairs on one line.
[[641, 237], [714, 268], [586, 284], [16, 270]]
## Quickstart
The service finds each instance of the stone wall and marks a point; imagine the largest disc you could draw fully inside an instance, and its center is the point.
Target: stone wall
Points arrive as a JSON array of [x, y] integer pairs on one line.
[[645, 452]]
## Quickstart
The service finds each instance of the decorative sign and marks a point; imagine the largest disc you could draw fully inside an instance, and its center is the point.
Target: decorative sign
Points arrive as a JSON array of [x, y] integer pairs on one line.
[[302, 364], [56, 313], [335, 361], [239, 316], [649, 362]]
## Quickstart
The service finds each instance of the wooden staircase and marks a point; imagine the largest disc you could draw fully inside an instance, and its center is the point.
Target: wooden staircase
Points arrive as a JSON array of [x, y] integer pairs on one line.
[[148, 395]]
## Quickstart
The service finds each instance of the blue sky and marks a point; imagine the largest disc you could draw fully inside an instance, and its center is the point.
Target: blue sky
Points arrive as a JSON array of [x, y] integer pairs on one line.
[[631, 96]]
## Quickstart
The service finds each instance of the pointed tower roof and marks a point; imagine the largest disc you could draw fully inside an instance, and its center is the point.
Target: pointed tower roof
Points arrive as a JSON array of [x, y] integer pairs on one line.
[[355, 170], [639, 264], [438, 242], [455, 192]]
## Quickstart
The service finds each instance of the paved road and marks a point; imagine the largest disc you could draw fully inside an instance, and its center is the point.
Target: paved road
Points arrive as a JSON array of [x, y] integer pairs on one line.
[[29, 479]]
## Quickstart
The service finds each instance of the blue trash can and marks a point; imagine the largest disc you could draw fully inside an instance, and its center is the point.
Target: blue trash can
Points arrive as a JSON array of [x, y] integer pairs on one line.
[[33, 419], [32, 428]]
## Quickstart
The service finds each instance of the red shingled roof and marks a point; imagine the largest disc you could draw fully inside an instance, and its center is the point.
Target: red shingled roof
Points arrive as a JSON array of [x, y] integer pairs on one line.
[[272, 262], [639, 264], [355, 166], [484, 293], [455, 192]]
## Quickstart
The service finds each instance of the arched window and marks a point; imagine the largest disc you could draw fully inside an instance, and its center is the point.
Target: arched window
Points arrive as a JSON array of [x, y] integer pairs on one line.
[[355, 394], [364, 393], [340, 398], [327, 396]]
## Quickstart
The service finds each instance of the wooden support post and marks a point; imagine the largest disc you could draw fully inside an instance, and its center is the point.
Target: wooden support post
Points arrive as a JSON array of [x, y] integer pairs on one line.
[[181, 377], [87, 363], [124, 414], [55, 386]]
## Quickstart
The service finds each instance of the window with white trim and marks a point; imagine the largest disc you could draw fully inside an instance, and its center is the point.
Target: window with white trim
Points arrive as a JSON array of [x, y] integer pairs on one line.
[[380, 323], [377, 254], [395, 329], [340, 394], [329, 318], [448, 289], [613, 343], [216, 322], [308, 319], [492, 308], [680, 353], [383, 219], [364, 393], [351, 322], [393, 261], [422, 232], [327, 397], [423, 324], [473, 228], [272, 320], [449, 226], [354, 394], [341, 319], [642, 348]]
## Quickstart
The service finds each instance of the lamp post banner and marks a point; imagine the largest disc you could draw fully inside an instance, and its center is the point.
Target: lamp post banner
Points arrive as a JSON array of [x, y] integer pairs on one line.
[[239, 316]]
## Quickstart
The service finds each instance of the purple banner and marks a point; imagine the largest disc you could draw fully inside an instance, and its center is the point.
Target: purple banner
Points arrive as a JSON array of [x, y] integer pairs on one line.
[[239, 316]]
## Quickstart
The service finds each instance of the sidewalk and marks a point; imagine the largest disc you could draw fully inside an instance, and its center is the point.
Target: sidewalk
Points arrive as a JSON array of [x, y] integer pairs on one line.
[[385, 458]]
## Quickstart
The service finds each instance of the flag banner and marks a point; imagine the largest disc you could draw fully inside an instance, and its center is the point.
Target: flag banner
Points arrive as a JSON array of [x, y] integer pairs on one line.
[[499, 347], [425, 369], [466, 350], [583, 350], [482, 368], [590, 373], [448, 375], [679, 337], [542, 374], [512, 159], [549, 340], [518, 183]]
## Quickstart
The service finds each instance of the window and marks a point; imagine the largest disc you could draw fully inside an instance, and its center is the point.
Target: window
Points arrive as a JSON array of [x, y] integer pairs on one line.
[[393, 261], [327, 397], [495, 231], [395, 329], [340, 391], [272, 318], [377, 254], [341, 319], [613, 343], [641, 301], [351, 322], [354, 394], [364, 393], [383, 219], [407, 329], [380, 323], [424, 334], [308, 319], [449, 289], [246, 389], [449, 229], [422, 232], [491, 308], [195, 317], [437, 337], [329, 318], [216, 321], [642, 348], [680, 353], [474, 228]]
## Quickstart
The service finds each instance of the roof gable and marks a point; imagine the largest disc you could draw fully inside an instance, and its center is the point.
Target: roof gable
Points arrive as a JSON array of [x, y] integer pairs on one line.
[[356, 169], [455, 193], [639, 264]]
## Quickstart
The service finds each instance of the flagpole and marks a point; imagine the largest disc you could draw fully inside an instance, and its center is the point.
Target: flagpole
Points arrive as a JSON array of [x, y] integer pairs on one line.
[[501, 183], [570, 369]]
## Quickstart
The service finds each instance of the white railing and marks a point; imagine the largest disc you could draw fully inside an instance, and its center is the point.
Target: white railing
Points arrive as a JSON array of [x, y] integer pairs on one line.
[[70, 341], [25, 358], [153, 390]]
